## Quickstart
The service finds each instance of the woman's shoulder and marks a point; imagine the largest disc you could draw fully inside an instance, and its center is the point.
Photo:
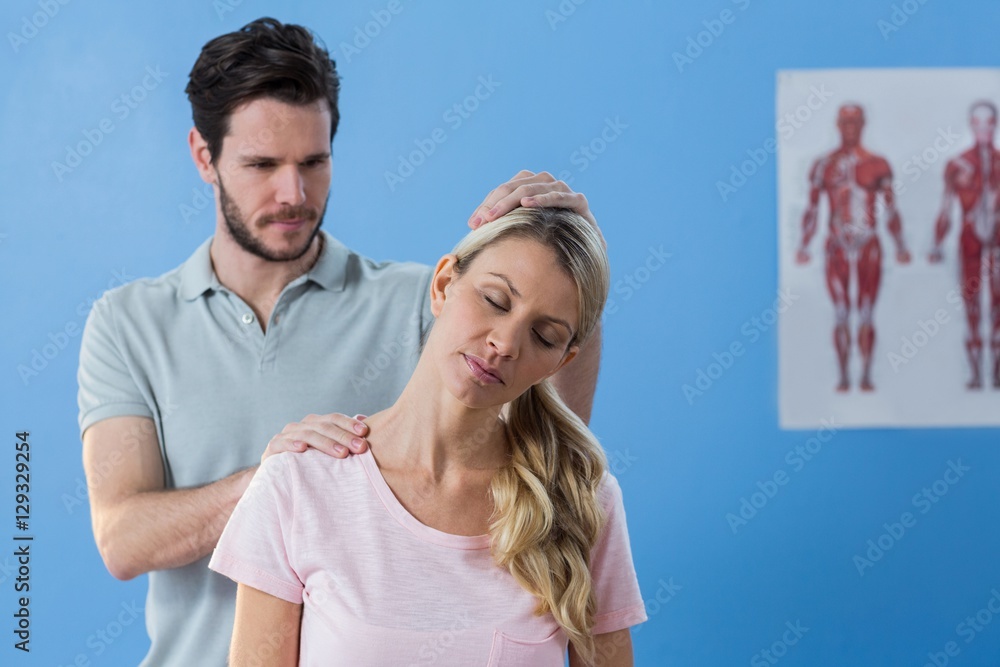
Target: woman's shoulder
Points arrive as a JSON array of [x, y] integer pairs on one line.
[[609, 492], [312, 467]]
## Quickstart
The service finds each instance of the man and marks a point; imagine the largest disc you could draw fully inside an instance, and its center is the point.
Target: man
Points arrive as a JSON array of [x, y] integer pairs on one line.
[[853, 179], [185, 377], [973, 179]]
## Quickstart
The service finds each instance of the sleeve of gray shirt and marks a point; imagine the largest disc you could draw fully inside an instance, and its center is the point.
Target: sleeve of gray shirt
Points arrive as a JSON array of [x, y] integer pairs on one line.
[[106, 386], [426, 316]]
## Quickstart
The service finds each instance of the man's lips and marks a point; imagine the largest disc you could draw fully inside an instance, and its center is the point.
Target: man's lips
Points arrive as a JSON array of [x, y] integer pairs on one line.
[[294, 223], [478, 368]]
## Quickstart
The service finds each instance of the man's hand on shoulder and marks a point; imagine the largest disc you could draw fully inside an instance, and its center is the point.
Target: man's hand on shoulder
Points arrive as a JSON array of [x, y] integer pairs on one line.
[[334, 434], [529, 189]]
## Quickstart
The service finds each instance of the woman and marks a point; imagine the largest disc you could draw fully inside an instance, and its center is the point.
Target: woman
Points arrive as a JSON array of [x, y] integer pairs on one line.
[[468, 534]]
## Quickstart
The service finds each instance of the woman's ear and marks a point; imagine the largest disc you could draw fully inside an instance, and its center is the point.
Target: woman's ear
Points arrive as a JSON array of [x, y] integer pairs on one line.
[[444, 275], [568, 357]]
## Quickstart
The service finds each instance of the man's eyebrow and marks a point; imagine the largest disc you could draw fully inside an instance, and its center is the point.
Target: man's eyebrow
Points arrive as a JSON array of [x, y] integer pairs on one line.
[[514, 291], [252, 157]]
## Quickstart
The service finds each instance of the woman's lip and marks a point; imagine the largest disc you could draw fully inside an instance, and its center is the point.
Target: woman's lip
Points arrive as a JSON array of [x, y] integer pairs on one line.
[[475, 365]]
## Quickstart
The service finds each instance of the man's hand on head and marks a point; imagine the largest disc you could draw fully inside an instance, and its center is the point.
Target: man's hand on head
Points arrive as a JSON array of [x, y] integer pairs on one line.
[[334, 434], [529, 189]]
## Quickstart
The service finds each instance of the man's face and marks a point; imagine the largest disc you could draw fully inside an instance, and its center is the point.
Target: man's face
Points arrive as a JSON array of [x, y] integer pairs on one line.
[[983, 123], [274, 176]]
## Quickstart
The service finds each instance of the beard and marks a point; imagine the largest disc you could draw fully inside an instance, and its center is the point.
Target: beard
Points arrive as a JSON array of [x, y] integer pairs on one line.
[[240, 231]]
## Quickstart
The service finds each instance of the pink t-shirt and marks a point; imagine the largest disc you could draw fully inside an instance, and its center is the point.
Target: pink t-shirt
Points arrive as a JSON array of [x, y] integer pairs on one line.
[[380, 588]]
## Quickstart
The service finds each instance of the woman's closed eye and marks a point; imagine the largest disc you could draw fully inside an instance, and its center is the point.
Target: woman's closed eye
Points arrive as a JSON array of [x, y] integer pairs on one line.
[[541, 339], [494, 303]]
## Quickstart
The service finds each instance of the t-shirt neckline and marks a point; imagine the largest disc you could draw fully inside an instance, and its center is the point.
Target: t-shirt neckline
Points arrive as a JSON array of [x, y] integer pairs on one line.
[[410, 522]]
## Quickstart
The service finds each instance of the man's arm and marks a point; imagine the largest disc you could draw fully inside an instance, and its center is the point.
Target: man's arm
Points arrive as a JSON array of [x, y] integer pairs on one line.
[[576, 382], [139, 525]]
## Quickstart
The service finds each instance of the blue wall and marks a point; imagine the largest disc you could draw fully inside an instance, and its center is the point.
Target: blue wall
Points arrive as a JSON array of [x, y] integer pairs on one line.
[[715, 596]]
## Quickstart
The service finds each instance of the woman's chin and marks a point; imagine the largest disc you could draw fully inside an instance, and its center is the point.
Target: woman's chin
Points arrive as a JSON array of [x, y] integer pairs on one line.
[[476, 397]]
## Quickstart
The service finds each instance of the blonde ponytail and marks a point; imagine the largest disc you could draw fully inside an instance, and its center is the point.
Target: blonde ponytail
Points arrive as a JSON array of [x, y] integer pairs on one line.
[[547, 516], [546, 513]]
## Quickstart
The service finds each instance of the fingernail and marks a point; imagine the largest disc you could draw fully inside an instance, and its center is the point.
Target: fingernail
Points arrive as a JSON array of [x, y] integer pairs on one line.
[[358, 443], [529, 201], [361, 417], [340, 450], [359, 428], [476, 221], [493, 211]]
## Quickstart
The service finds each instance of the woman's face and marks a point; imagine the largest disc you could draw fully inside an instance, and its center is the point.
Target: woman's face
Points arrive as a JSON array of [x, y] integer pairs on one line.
[[505, 324]]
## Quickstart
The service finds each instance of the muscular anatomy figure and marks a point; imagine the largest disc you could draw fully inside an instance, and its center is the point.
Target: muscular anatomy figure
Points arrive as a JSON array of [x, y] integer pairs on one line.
[[852, 179], [973, 179]]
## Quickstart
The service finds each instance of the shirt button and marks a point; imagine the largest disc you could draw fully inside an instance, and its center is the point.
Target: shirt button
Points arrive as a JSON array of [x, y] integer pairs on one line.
[[247, 318]]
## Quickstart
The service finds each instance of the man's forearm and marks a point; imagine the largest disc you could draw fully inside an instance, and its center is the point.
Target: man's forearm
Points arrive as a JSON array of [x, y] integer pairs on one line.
[[159, 530], [576, 382]]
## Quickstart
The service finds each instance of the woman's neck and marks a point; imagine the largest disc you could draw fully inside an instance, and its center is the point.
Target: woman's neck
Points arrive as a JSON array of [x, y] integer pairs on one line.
[[427, 430]]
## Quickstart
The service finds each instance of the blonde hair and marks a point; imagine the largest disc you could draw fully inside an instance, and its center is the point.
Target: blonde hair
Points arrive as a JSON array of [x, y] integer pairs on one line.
[[547, 516]]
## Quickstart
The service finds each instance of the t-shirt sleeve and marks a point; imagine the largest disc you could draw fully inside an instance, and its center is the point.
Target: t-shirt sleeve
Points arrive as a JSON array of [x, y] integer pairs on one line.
[[426, 316], [107, 387], [256, 544], [619, 601]]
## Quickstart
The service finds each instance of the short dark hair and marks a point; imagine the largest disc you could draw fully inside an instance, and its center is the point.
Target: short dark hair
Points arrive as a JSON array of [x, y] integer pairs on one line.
[[264, 58]]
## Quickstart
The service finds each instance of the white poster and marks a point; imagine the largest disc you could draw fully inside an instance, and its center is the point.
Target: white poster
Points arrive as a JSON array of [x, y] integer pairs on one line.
[[888, 244]]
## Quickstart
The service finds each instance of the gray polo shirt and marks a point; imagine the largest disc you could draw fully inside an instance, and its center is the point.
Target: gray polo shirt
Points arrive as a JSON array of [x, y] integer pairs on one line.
[[188, 353]]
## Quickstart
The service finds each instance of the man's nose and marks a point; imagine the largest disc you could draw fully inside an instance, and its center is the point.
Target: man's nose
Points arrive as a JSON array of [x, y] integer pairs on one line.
[[289, 186]]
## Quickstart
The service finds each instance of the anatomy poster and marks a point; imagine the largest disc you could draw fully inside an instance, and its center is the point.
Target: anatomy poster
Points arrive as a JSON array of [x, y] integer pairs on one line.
[[888, 240]]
